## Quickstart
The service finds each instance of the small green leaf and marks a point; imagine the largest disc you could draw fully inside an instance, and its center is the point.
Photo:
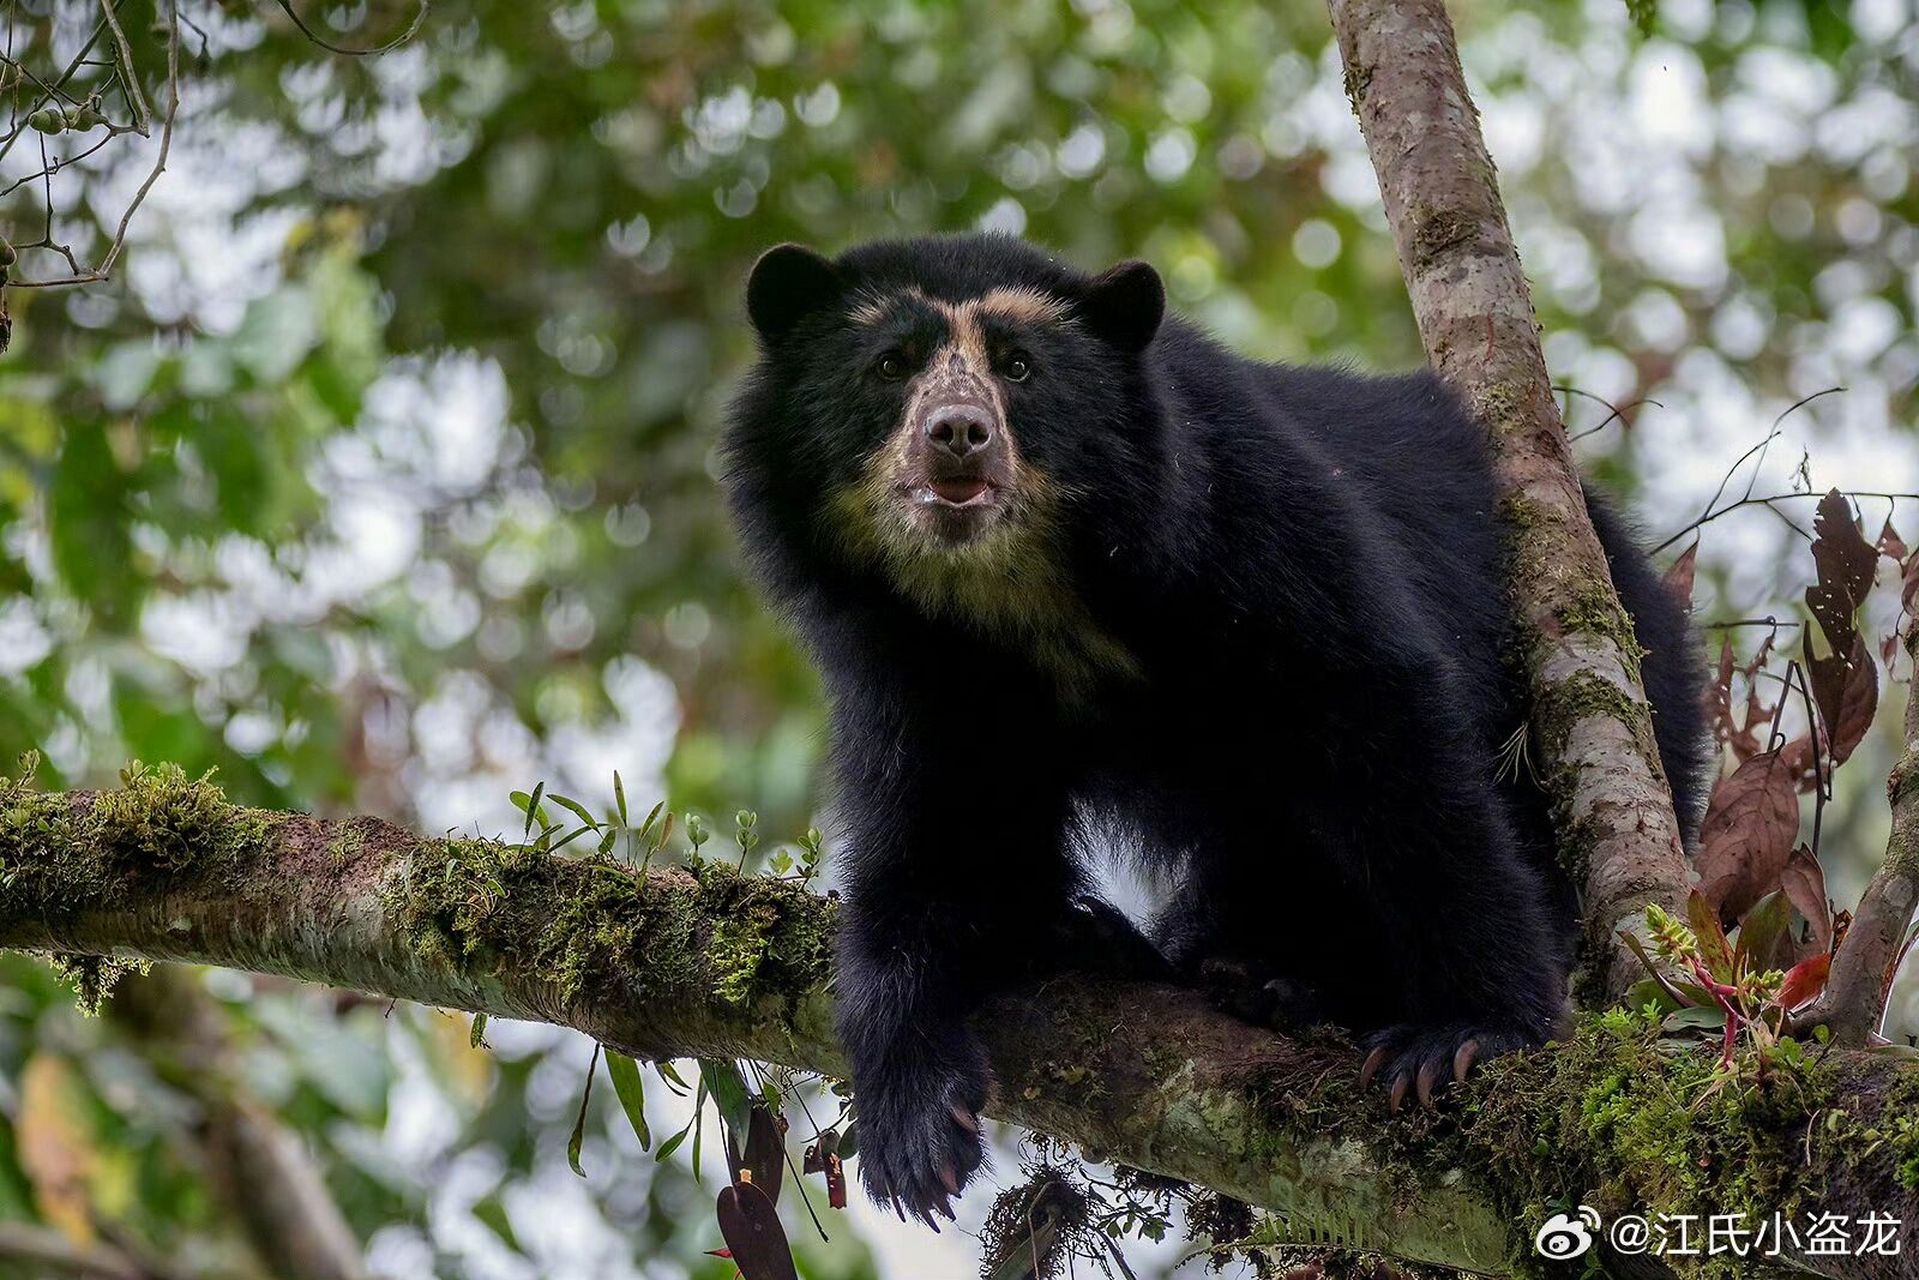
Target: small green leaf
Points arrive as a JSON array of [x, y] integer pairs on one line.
[[699, 1123], [577, 809], [1696, 1019], [631, 1090], [672, 1144], [578, 1137], [492, 1212], [476, 1037], [723, 1080], [619, 796], [565, 840], [532, 809]]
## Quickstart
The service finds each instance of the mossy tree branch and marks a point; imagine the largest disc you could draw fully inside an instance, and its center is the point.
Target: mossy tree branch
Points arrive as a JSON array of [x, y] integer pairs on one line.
[[1469, 294], [706, 962]]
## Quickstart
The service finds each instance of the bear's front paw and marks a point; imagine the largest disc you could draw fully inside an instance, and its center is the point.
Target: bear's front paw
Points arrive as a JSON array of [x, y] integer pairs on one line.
[[919, 1134], [1422, 1058]]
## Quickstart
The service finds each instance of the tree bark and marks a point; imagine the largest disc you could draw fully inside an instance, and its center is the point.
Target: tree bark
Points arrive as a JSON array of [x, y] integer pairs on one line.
[[705, 962], [1591, 723], [1854, 1002]]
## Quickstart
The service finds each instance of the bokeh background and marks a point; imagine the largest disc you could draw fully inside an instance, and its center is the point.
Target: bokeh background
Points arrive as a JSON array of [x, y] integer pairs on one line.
[[381, 476]]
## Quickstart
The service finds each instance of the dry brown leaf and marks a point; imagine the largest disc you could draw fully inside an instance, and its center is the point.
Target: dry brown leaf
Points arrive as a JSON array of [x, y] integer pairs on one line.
[[1679, 578], [1750, 827], [1804, 881], [1890, 544], [1846, 563], [1846, 691]]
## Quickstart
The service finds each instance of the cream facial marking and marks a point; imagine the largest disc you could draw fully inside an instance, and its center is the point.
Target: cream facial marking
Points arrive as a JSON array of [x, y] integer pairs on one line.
[[1006, 578], [1024, 306]]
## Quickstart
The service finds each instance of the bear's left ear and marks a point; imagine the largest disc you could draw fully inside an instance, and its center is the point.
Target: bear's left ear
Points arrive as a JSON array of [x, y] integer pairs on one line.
[[1125, 305], [789, 283]]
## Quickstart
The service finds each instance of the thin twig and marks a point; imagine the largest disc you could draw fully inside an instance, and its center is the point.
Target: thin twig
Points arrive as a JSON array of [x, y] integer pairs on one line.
[[1768, 501], [412, 28], [1618, 412], [1769, 621], [129, 75], [1772, 433]]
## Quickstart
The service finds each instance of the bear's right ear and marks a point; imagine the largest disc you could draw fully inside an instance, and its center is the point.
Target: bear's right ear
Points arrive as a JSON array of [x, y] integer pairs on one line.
[[789, 283]]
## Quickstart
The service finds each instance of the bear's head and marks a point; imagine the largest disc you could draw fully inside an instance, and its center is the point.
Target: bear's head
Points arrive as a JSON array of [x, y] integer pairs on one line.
[[939, 405]]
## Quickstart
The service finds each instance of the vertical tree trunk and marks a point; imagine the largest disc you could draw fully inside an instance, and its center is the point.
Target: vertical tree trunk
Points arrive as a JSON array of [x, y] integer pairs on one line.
[[1591, 724], [1854, 1002]]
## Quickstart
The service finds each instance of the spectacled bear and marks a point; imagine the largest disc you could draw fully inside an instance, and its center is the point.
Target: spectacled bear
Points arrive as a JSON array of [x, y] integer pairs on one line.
[[1076, 576]]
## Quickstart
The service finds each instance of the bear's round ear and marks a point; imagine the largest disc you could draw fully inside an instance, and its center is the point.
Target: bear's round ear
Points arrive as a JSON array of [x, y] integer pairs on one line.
[[789, 283], [1124, 305]]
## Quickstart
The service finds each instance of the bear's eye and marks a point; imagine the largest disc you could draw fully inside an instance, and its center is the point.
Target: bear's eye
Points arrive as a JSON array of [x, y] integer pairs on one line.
[[1018, 368], [892, 366]]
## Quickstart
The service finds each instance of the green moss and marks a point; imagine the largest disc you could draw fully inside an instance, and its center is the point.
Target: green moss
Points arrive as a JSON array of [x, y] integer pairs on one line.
[[59, 852], [346, 840], [1501, 407], [64, 853], [1357, 80], [596, 925], [1900, 1130], [1619, 1118], [94, 977], [1437, 230], [1635, 1123], [1595, 610]]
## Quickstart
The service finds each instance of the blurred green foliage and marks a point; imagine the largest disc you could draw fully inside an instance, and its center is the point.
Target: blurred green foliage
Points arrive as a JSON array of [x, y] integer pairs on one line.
[[383, 478]]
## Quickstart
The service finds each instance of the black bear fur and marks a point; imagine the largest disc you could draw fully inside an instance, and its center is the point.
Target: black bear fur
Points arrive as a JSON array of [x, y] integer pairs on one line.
[[1078, 578]]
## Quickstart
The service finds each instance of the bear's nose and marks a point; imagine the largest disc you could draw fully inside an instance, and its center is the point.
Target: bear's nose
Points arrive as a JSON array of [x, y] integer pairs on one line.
[[959, 429]]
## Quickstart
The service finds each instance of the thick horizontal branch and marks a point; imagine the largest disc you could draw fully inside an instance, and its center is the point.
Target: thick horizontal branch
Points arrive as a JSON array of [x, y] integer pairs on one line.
[[703, 961]]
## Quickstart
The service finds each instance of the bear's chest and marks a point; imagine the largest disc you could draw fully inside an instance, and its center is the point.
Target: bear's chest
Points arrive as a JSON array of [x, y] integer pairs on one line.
[[1024, 605]]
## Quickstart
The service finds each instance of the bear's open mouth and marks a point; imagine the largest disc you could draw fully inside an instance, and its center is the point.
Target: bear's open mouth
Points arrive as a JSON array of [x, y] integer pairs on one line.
[[965, 492]]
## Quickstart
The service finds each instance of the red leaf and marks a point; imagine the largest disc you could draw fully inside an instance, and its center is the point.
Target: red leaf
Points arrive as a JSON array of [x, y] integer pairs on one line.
[[1749, 830], [1804, 881], [754, 1237], [1806, 980], [824, 1157], [1909, 584], [1679, 578]]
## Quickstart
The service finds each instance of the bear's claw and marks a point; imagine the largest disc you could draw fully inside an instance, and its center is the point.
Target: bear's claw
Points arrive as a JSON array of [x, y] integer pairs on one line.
[[1417, 1059], [920, 1142]]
